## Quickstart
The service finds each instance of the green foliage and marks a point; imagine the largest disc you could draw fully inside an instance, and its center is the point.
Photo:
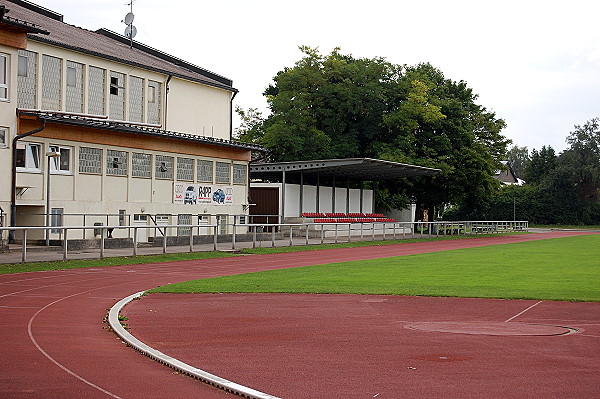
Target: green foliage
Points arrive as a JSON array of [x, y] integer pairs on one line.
[[518, 159], [532, 270], [563, 189], [339, 106]]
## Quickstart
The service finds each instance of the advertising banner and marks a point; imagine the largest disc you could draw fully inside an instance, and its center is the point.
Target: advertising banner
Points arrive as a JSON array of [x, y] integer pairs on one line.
[[202, 194]]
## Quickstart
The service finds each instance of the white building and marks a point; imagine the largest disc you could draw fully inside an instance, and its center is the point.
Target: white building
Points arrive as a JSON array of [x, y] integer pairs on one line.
[[137, 133]]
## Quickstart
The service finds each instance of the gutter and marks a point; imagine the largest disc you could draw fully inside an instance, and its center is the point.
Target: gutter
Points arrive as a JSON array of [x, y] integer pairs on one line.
[[231, 116], [13, 193], [167, 98]]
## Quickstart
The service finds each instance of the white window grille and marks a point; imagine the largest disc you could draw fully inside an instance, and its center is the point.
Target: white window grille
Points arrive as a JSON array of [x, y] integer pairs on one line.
[[90, 160]]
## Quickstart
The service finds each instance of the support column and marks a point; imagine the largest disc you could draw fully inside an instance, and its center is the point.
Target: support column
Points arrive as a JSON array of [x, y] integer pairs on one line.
[[301, 192], [318, 191], [283, 197], [348, 195], [361, 196], [333, 195]]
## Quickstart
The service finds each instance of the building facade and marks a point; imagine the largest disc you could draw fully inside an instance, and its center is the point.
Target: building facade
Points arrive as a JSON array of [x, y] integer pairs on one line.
[[93, 125]]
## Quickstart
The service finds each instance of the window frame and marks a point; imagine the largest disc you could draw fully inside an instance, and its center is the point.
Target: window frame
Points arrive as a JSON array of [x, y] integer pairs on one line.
[[4, 136], [56, 164], [30, 156], [5, 77]]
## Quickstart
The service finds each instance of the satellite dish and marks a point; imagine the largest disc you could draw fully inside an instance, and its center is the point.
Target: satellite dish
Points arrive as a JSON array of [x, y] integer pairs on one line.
[[128, 18], [130, 32]]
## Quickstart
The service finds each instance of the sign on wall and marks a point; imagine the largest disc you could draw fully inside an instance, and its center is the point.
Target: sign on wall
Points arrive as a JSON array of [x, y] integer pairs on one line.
[[202, 194]]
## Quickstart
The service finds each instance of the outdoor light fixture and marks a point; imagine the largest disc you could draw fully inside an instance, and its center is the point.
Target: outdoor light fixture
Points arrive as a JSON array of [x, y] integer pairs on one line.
[[50, 155]]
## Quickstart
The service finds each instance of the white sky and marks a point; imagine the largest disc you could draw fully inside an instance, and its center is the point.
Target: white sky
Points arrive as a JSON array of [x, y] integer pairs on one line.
[[535, 63]]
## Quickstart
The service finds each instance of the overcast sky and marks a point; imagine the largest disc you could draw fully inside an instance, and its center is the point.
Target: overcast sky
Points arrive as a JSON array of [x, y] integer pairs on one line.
[[535, 63]]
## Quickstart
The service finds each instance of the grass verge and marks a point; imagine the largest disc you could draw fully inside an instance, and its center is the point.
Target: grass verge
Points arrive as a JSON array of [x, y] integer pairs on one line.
[[354, 244], [125, 260], [553, 269]]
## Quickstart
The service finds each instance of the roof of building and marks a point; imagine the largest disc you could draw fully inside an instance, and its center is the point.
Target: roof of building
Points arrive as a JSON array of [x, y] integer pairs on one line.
[[17, 24], [106, 44], [132, 127], [353, 168]]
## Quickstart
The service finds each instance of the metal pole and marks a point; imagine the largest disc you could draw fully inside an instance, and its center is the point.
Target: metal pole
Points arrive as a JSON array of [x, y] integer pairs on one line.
[[254, 237], [215, 236], [135, 233], [83, 230], [291, 235], [233, 233], [165, 242], [65, 244], [48, 200], [192, 238], [24, 249], [101, 242]]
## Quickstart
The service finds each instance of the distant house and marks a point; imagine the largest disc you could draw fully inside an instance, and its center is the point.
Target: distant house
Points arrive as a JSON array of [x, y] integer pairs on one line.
[[117, 127], [506, 175]]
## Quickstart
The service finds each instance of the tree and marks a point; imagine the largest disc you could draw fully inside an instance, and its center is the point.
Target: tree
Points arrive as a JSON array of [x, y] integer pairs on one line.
[[540, 166], [251, 125], [339, 106], [518, 159]]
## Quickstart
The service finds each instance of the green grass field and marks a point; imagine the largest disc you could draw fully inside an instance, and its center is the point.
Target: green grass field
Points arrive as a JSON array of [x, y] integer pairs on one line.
[[9, 268], [554, 269]]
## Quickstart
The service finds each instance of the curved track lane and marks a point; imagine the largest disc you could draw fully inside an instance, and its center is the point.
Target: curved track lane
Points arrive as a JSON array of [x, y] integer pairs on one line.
[[56, 344]]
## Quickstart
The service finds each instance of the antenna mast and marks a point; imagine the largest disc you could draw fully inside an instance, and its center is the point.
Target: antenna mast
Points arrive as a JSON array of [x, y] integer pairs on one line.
[[131, 30]]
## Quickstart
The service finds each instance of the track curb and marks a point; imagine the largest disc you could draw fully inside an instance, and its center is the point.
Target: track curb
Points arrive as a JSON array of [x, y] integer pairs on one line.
[[229, 386]]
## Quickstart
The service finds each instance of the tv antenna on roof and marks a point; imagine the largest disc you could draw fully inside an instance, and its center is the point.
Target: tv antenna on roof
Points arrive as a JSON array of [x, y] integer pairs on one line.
[[131, 30]]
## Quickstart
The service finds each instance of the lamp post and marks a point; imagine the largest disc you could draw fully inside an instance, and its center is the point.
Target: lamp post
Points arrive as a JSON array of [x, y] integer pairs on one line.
[[49, 155]]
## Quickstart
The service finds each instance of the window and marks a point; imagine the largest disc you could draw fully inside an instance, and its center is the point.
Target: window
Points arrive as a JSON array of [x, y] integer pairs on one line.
[[204, 172], [154, 103], [136, 99], [28, 157], [96, 92], [140, 165], [122, 216], [56, 216], [90, 160], [184, 219], [222, 172], [27, 80], [185, 169], [239, 174], [60, 164], [4, 76], [74, 89], [163, 167], [51, 83], [3, 136], [116, 163], [23, 69], [117, 96]]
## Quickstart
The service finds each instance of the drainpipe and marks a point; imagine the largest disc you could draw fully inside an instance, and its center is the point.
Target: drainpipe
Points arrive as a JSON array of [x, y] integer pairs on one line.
[[167, 99], [13, 194], [231, 117]]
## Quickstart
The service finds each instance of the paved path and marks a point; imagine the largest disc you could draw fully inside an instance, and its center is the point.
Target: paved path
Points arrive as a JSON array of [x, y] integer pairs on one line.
[[55, 343]]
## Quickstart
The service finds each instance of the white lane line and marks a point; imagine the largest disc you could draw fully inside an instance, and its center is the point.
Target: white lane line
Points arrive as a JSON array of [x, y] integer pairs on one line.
[[520, 313], [30, 332]]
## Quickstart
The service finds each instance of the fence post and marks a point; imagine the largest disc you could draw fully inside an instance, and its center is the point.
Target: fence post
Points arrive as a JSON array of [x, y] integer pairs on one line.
[[322, 233], [349, 231], [215, 237], [254, 237], [233, 234], [306, 234], [135, 233], [291, 235], [192, 238], [65, 244], [336, 225], [102, 232], [272, 236], [24, 249], [165, 242], [83, 230]]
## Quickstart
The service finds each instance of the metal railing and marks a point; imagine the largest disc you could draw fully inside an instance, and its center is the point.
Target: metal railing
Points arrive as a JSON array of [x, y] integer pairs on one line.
[[277, 234]]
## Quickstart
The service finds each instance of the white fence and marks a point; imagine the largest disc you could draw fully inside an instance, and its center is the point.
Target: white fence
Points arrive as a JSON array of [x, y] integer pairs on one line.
[[206, 237]]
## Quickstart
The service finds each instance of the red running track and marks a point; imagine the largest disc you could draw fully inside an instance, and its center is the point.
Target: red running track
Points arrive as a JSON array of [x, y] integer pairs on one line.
[[56, 345]]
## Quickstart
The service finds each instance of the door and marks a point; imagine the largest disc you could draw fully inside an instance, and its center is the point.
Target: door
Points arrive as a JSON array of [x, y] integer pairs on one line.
[[266, 200]]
